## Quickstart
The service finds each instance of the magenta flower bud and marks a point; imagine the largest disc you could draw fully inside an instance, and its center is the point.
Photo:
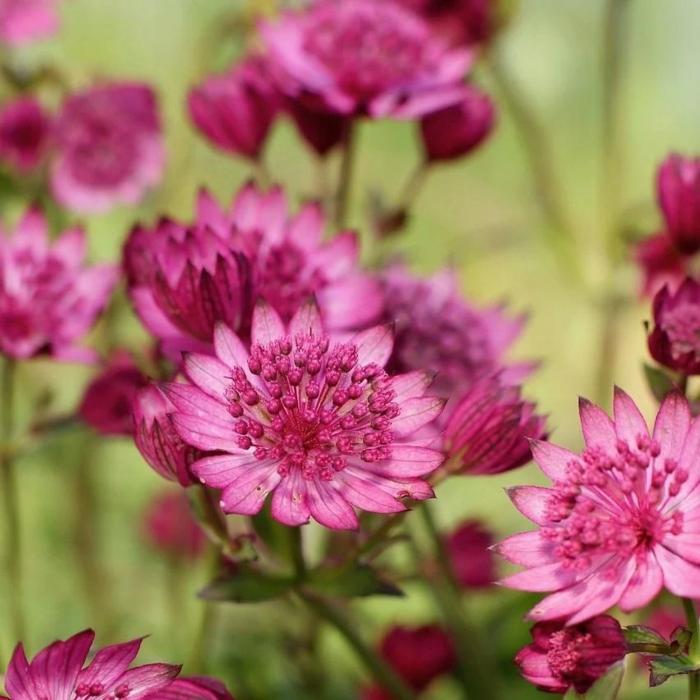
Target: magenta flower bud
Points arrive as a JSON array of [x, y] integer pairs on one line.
[[170, 527], [660, 263], [109, 147], [107, 404], [675, 339], [678, 190], [322, 131], [562, 657], [470, 557], [24, 134], [48, 298], [454, 131], [489, 428], [157, 439], [23, 21], [236, 110]]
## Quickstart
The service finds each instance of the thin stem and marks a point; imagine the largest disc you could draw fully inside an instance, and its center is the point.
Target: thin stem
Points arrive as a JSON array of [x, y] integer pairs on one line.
[[380, 670], [347, 168], [197, 663], [10, 500], [298, 553], [691, 616], [413, 185]]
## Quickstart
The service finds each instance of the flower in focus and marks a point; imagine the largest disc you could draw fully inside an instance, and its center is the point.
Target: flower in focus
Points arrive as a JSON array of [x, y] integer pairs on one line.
[[22, 21], [660, 263], [109, 147], [563, 657], [48, 299], [454, 131], [235, 110], [678, 188], [470, 557], [675, 339], [489, 428], [361, 57], [620, 521], [194, 688], [24, 133], [107, 404], [321, 130], [158, 441], [319, 425], [170, 527]]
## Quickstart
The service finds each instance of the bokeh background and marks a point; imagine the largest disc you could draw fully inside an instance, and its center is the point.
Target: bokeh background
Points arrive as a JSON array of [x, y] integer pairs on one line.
[[480, 216]]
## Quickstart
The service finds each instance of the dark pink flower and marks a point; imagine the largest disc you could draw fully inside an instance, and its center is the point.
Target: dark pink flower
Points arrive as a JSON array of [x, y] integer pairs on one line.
[[456, 130], [319, 425], [157, 439], [321, 130], [24, 133], [364, 57], [107, 404], [236, 110], [22, 21], [561, 657], [419, 655], [660, 263], [59, 672], [620, 521], [675, 339], [48, 299], [170, 527], [109, 147], [470, 557], [194, 688], [678, 188], [489, 428]]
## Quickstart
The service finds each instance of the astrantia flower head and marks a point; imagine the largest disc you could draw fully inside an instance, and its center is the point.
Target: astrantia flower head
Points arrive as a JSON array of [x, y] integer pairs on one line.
[[660, 263], [170, 527], [22, 21], [360, 57], [562, 657], [675, 339], [620, 521], [318, 424], [678, 187], [24, 134], [109, 147], [321, 130], [471, 559], [48, 299]]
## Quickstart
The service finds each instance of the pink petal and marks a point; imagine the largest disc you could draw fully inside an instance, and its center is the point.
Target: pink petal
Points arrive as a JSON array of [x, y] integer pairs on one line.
[[680, 576], [368, 492], [247, 493], [221, 470], [690, 461], [329, 508], [408, 461], [671, 426], [267, 325], [629, 422], [685, 545], [355, 301], [598, 429], [192, 401], [110, 663], [337, 258], [410, 385], [306, 321], [552, 459], [208, 373], [206, 434], [144, 680], [542, 579], [398, 489], [228, 347], [374, 345], [306, 227], [526, 548], [289, 501], [415, 413], [645, 584], [531, 501]]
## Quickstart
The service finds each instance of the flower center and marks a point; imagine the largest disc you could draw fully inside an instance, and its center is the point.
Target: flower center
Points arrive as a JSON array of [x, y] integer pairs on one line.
[[562, 653], [682, 324]]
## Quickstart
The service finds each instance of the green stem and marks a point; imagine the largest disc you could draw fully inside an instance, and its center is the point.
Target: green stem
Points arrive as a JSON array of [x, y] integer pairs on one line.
[[10, 501], [298, 553], [197, 663], [694, 652], [347, 167], [380, 670]]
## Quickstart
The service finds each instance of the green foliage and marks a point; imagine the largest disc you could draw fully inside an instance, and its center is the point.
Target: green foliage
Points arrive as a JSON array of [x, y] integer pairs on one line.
[[350, 582]]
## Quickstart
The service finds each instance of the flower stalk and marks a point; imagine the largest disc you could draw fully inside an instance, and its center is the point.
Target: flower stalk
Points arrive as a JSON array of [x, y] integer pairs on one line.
[[347, 170], [694, 651]]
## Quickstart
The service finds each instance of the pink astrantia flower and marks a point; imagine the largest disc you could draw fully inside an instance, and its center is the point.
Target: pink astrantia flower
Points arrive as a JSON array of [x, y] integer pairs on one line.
[[471, 559], [24, 133], [194, 688], [675, 339], [236, 110], [170, 527], [562, 657], [321, 130], [48, 299], [489, 428], [678, 188], [109, 147], [621, 520], [158, 441], [320, 425], [660, 263], [364, 57], [22, 21]]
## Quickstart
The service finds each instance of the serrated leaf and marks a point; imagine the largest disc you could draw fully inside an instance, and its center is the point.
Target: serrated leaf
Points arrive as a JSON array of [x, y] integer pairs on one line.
[[246, 585], [663, 667], [658, 381], [350, 582], [640, 634], [608, 686]]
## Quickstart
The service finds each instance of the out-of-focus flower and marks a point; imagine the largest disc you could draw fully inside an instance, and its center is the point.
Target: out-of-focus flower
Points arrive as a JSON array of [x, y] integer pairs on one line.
[[678, 188], [470, 557], [157, 439], [107, 404], [109, 147], [319, 425], [321, 130], [618, 524], [456, 130], [362, 57], [22, 21], [170, 527], [563, 657], [194, 688], [675, 339], [48, 299], [24, 133], [660, 263], [489, 428], [236, 110]]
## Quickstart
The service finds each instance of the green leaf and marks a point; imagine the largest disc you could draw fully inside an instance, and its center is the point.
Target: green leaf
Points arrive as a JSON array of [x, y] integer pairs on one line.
[[658, 381], [662, 667], [639, 634], [276, 537], [350, 582], [608, 686], [247, 585]]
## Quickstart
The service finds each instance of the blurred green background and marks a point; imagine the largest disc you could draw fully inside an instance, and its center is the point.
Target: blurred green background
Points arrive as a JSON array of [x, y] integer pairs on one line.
[[480, 215]]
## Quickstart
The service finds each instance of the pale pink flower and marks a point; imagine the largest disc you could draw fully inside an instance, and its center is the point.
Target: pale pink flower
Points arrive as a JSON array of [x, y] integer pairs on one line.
[[319, 425], [23, 21], [620, 522]]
